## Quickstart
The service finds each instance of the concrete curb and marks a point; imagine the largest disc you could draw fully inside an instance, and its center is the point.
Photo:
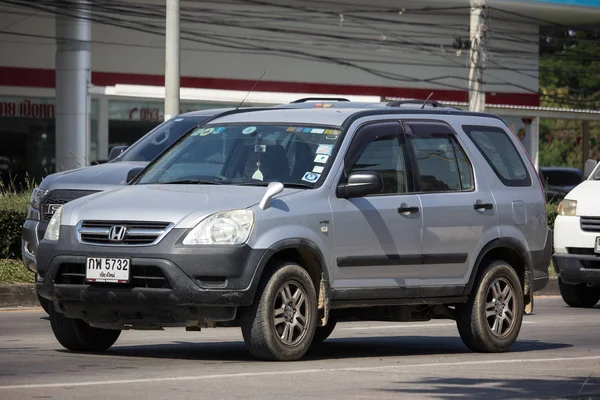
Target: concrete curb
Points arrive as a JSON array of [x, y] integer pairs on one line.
[[18, 295], [23, 295]]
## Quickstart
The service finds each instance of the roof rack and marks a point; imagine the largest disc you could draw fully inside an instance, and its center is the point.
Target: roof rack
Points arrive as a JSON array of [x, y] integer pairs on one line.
[[432, 103], [307, 99]]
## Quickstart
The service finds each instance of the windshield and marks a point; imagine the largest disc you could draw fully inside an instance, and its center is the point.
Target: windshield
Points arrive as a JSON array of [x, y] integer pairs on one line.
[[161, 137], [247, 154]]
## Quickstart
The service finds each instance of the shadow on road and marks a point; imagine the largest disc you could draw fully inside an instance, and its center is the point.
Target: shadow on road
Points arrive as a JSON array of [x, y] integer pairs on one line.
[[371, 347], [453, 388]]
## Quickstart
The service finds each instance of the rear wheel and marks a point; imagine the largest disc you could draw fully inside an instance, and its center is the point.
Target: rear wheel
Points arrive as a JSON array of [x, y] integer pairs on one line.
[[580, 296], [281, 323], [77, 335], [491, 319], [323, 332]]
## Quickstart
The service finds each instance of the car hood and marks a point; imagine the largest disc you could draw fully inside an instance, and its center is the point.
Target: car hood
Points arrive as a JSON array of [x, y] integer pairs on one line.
[[183, 205], [97, 177], [587, 194]]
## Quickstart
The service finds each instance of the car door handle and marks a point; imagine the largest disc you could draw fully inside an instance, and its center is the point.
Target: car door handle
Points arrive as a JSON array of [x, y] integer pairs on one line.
[[483, 206], [406, 209]]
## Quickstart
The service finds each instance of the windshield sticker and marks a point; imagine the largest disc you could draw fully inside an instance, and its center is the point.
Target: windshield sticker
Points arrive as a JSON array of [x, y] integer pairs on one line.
[[332, 132], [207, 131], [298, 130], [306, 130], [325, 149], [318, 130], [291, 129], [321, 158], [219, 130], [318, 169], [311, 177], [249, 130]]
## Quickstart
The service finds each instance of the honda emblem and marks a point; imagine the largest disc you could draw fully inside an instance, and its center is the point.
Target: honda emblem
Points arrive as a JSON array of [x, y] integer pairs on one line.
[[117, 233]]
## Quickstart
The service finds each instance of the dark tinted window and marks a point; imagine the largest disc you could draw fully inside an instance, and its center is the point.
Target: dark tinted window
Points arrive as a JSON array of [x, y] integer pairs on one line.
[[377, 148], [442, 164], [499, 151], [561, 178]]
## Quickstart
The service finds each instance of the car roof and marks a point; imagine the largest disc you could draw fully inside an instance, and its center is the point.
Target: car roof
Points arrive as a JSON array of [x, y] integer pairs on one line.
[[334, 116], [313, 116]]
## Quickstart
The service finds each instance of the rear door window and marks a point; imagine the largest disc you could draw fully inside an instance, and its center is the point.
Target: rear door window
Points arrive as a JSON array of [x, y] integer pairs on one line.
[[501, 154]]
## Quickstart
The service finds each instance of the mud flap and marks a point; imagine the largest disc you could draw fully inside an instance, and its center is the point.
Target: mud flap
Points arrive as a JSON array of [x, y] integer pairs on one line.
[[528, 293]]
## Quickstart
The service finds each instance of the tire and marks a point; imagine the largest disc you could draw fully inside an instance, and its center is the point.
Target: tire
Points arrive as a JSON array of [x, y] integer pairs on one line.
[[579, 296], [45, 303], [323, 332], [478, 319], [263, 332], [77, 335]]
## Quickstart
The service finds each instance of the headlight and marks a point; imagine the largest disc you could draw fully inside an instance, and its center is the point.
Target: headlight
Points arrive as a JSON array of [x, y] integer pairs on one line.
[[228, 227], [36, 197], [53, 230], [567, 208]]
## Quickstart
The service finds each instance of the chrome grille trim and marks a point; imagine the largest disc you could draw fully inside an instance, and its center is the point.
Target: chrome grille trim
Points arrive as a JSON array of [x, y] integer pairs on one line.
[[138, 234]]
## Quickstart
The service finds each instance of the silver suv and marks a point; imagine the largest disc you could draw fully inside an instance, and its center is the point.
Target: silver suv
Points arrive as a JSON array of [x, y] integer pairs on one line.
[[287, 221]]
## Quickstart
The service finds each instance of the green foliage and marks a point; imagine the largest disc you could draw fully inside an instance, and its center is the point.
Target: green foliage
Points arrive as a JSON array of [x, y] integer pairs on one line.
[[552, 212], [13, 212], [13, 271]]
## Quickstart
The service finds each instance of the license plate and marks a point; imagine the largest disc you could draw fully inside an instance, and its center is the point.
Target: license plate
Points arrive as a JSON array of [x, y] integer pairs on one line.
[[113, 270], [597, 246]]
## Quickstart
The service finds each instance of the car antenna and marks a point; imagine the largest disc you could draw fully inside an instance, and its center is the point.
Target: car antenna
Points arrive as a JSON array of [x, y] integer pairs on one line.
[[251, 90], [426, 100]]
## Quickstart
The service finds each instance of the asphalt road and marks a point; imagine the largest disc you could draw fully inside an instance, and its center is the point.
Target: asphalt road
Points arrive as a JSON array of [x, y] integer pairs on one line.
[[557, 356]]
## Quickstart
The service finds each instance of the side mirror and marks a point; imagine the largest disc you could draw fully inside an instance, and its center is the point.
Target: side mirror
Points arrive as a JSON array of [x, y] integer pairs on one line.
[[131, 175], [589, 168], [115, 152], [361, 184]]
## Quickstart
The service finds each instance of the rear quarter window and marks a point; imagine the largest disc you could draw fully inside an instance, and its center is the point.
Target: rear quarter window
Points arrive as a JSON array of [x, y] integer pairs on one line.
[[501, 154]]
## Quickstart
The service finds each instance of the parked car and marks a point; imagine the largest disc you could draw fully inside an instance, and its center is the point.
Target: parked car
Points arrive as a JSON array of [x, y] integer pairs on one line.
[[577, 241], [284, 222], [62, 187], [559, 181]]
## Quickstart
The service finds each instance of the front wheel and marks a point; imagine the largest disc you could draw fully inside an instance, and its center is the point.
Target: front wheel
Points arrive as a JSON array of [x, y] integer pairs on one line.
[[281, 323], [45, 303], [77, 335], [579, 296], [491, 319]]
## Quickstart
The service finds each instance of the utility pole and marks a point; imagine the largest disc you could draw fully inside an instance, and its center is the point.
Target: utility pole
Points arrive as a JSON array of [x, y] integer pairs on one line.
[[172, 70], [477, 55]]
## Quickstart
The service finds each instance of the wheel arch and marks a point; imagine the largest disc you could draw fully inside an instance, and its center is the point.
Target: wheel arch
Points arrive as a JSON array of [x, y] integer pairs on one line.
[[308, 255], [512, 252]]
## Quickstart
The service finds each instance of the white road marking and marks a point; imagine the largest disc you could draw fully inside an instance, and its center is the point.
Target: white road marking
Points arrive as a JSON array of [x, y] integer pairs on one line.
[[291, 372], [409, 325]]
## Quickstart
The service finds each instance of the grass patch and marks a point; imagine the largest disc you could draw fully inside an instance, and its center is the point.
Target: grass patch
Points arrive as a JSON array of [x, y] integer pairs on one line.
[[552, 271], [13, 271]]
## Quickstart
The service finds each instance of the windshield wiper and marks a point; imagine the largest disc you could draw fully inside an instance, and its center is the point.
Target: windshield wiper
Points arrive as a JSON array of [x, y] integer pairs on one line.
[[286, 184], [191, 182]]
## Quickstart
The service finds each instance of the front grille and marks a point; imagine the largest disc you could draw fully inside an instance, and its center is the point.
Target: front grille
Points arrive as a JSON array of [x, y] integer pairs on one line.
[[590, 224], [58, 198], [135, 233], [142, 276]]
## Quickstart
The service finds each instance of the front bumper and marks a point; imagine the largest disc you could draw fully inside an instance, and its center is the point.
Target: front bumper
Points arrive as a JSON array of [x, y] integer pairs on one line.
[[574, 269], [170, 284], [33, 231]]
